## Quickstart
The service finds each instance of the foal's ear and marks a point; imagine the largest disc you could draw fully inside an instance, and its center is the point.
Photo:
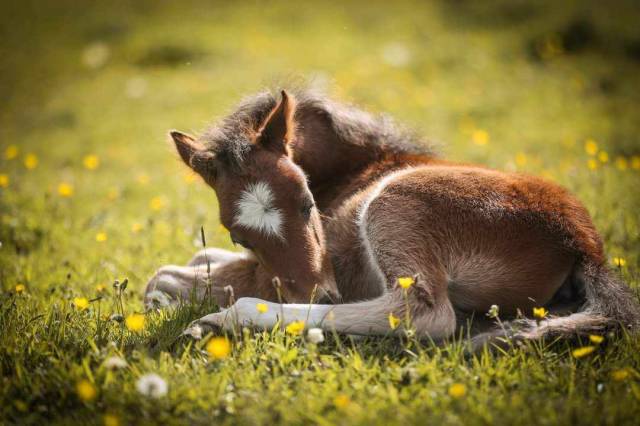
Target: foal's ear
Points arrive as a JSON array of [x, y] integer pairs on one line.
[[278, 129], [192, 152]]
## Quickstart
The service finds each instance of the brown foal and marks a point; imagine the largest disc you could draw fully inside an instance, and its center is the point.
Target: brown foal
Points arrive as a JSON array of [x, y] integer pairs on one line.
[[330, 201]]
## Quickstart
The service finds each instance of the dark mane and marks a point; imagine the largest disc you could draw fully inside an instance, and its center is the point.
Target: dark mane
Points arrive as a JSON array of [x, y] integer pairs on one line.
[[231, 138]]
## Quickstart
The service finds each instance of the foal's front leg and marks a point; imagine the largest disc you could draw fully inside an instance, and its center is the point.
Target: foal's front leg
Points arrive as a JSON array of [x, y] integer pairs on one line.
[[173, 283], [214, 255]]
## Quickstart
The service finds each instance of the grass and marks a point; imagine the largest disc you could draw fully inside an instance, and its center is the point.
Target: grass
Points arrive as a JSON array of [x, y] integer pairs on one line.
[[511, 85]]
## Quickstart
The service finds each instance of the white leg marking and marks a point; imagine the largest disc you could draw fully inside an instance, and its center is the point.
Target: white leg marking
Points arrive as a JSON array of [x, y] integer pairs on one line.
[[245, 314]]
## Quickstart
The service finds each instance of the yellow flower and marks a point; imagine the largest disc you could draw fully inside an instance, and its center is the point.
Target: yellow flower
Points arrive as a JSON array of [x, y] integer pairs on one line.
[[262, 307], [11, 152], [85, 390], [603, 156], [101, 237], [592, 164], [219, 347], [4, 180], [622, 163], [100, 288], [457, 390], [594, 338], [81, 303], [135, 322], [620, 374], [406, 282], [480, 137], [295, 328], [540, 313], [91, 162], [31, 161], [521, 159], [591, 147], [142, 179], [136, 227], [65, 190], [20, 288], [619, 261], [341, 401], [394, 321], [635, 162], [156, 203], [111, 420], [189, 177], [583, 351]]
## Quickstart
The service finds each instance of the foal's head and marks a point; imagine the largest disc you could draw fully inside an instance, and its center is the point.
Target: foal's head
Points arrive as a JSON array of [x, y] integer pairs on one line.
[[263, 196]]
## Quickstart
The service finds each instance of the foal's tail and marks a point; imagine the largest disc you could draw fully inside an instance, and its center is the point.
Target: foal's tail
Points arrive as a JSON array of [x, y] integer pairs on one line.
[[609, 304]]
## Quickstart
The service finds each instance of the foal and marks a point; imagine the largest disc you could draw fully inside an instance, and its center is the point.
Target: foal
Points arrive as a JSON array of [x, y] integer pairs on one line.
[[336, 203]]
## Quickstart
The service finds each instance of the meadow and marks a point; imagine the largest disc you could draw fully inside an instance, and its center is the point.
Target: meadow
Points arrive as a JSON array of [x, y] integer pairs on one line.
[[93, 196]]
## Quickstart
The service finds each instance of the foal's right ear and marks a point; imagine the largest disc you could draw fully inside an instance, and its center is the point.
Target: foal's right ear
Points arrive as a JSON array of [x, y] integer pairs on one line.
[[192, 152], [278, 129]]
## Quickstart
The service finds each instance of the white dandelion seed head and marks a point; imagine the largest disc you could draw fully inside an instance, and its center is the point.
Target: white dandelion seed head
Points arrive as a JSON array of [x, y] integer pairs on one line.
[[396, 54], [315, 335], [136, 87], [152, 385], [114, 363], [96, 55]]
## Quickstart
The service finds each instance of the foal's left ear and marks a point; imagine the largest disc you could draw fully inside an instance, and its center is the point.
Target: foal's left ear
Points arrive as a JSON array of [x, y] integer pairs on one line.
[[278, 129], [192, 152]]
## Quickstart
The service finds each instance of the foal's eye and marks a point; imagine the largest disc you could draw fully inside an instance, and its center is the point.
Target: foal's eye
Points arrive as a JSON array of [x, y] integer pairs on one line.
[[306, 210]]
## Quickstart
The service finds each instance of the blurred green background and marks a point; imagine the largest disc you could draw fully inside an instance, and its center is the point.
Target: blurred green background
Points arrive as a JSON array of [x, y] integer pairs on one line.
[[511, 84], [91, 190]]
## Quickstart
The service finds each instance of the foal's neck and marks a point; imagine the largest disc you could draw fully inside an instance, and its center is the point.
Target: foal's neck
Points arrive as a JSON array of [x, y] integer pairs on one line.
[[336, 166]]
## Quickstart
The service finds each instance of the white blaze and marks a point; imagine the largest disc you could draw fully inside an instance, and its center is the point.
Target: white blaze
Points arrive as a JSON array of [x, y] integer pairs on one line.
[[256, 210]]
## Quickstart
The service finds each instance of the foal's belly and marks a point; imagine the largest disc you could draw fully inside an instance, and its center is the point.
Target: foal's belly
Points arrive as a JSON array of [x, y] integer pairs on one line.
[[518, 281]]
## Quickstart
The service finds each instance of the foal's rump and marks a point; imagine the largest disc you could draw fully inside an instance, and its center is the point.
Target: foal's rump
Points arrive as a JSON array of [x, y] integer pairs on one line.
[[500, 238]]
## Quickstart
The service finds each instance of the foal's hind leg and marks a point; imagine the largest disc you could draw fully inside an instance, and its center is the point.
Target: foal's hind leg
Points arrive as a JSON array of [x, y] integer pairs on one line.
[[397, 245]]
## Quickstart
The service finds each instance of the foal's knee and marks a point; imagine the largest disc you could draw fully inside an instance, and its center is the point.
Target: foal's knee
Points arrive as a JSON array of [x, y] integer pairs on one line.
[[436, 322]]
